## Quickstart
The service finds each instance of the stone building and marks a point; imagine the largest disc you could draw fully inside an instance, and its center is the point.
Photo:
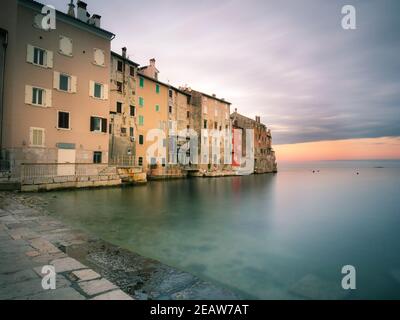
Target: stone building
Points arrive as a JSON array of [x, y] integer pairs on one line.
[[123, 121], [56, 86], [211, 114], [264, 155]]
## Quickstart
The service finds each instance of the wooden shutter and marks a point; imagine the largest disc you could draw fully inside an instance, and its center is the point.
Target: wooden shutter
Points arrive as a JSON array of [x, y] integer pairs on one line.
[[91, 88], [48, 94], [92, 119], [105, 91], [56, 80], [74, 81], [29, 53], [49, 59], [28, 94], [104, 125]]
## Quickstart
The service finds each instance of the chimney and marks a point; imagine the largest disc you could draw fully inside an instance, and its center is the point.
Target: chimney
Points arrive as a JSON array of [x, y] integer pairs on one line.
[[124, 52], [214, 95], [96, 20], [71, 9], [82, 13], [235, 110], [153, 62], [258, 119]]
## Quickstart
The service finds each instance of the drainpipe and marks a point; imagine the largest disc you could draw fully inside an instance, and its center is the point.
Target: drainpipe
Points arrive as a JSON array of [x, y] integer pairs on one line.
[[4, 34]]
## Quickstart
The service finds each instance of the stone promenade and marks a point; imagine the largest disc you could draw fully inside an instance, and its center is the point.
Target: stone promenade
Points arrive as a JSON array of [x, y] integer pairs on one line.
[[30, 240]]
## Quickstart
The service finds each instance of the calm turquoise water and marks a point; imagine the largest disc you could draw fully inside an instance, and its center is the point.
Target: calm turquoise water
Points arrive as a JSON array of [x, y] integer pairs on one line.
[[284, 236]]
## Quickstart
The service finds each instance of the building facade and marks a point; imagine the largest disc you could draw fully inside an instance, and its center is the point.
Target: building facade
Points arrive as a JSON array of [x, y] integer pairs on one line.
[[211, 115], [56, 86], [123, 121], [264, 155]]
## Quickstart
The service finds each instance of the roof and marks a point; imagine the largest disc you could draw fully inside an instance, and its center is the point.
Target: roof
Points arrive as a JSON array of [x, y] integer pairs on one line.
[[211, 97], [67, 18], [124, 59], [163, 83]]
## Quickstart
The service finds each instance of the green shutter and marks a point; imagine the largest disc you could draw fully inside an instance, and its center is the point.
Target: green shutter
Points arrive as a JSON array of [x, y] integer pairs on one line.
[[157, 88], [141, 101], [141, 82], [157, 108], [141, 120]]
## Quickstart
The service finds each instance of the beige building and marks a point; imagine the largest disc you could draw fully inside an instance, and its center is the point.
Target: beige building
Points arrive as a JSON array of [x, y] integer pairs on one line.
[[152, 113], [56, 86], [264, 155], [123, 121]]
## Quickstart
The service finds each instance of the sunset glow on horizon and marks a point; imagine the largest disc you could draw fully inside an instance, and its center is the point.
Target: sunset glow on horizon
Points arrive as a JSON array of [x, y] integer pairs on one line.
[[387, 148]]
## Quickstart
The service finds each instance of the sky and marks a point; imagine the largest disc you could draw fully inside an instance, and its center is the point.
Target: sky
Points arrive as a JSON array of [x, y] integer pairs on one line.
[[290, 62]]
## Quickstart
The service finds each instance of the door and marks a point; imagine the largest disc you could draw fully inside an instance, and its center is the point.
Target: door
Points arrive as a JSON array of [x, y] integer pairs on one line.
[[67, 160]]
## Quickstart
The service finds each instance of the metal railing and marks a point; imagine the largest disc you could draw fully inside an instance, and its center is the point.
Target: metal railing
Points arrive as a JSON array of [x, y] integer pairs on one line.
[[31, 171], [5, 166], [123, 161]]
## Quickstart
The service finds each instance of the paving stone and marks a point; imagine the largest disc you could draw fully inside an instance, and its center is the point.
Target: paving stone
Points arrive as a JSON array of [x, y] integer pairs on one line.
[[32, 253], [97, 286], [113, 295], [8, 219], [43, 245], [67, 264], [86, 275], [47, 258], [19, 276], [23, 233], [58, 294], [4, 213]]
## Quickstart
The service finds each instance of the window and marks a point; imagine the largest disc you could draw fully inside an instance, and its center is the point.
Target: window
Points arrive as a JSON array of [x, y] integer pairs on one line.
[[39, 57], [157, 88], [170, 109], [141, 120], [205, 124], [153, 161], [65, 46], [131, 132], [119, 86], [141, 139], [63, 120], [187, 114], [98, 90], [132, 71], [215, 125], [141, 101], [65, 82], [132, 111], [170, 93], [98, 57], [119, 107], [37, 137], [98, 124], [37, 96], [141, 82], [140, 161], [157, 108], [119, 65], [123, 131], [97, 155]]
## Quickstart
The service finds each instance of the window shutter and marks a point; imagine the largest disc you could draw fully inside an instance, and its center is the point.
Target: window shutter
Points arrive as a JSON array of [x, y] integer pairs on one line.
[[56, 80], [92, 123], [104, 125], [74, 81], [91, 88], [28, 94], [30, 136], [105, 92], [48, 98], [29, 53], [49, 57]]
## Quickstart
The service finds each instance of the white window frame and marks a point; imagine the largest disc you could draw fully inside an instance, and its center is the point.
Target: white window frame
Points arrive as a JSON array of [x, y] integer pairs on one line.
[[101, 124], [46, 97], [47, 57], [69, 120], [104, 90], [32, 129]]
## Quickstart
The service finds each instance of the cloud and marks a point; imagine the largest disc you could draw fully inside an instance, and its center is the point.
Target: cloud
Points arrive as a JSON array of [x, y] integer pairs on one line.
[[288, 61]]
